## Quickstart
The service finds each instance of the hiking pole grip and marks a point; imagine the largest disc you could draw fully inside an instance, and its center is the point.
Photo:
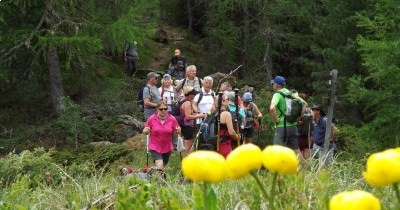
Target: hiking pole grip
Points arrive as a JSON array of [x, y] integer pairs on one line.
[[237, 114], [219, 104]]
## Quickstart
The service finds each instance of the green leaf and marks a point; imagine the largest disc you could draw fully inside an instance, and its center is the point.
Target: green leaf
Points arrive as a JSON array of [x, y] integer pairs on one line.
[[211, 199]]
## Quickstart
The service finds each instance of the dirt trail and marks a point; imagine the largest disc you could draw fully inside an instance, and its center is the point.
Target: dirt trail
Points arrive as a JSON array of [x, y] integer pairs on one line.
[[161, 60]]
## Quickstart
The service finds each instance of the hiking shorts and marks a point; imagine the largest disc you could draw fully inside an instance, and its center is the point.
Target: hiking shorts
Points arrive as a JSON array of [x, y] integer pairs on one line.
[[158, 156], [303, 142], [248, 132], [291, 137], [188, 132]]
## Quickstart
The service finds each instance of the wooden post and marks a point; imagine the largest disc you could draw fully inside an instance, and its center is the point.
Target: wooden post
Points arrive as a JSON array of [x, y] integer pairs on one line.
[[332, 100]]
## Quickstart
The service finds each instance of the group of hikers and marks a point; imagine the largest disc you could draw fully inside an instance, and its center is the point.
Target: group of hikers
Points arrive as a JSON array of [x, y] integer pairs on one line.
[[221, 120]]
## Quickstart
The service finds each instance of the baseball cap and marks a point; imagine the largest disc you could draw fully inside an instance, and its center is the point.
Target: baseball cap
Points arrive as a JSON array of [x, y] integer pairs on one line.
[[152, 74], [278, 80], [167, 76]]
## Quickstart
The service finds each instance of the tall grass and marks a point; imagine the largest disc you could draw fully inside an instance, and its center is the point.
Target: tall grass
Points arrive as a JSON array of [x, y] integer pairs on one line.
[[310, 188]]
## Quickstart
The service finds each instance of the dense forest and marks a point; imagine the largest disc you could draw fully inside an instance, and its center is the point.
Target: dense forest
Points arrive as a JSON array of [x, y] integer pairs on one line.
[[63, 81]]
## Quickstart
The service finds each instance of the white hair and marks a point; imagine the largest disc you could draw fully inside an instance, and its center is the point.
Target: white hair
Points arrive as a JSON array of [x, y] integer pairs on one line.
[[190, 68], [208, 78]]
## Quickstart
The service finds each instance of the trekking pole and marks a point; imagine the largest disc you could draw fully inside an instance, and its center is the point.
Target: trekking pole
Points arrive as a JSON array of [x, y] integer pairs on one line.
[[259, 128], [226, 76], [219, 118], [147, 150], [237, 114]]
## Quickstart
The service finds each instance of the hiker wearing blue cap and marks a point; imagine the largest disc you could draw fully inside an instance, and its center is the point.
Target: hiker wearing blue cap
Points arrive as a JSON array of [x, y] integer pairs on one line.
[[285, 132]]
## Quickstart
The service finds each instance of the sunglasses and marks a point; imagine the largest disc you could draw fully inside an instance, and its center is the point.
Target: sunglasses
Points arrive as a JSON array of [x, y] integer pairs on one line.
[[163, 109]]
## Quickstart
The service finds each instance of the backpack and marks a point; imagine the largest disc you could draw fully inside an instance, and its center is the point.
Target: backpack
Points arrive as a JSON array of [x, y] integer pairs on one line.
[[139, 97], [294, 106], [176, 111], [208, 133]]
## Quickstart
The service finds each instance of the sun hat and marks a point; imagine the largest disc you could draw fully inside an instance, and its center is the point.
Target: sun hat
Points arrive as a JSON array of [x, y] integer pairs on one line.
[[189, 90], [319, 108]]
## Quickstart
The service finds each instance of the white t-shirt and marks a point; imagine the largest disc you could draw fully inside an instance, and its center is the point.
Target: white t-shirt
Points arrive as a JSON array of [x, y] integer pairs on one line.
[[207, 101], [168, 96]]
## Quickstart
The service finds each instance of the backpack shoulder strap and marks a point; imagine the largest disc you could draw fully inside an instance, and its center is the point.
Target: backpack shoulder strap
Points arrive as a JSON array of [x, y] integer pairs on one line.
[[198, 79], [183, 83], [200, 97]]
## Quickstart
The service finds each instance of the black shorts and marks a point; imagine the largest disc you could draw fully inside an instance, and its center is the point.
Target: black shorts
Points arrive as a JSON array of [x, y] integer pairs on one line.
[[248, 132], [158, 156], [188, 132]]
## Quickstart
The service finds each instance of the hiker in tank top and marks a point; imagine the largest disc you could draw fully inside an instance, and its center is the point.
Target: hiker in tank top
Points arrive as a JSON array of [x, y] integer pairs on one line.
[[252, 112], [227, 132], [187, 116]]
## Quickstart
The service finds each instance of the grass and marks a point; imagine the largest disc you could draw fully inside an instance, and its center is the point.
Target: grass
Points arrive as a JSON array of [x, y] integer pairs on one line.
[[310, 188]]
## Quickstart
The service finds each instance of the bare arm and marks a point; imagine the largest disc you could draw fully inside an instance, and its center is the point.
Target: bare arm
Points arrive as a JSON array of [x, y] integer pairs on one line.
[[188, 111], [272, 112], [226, 118], [257, 111], [148, 103]]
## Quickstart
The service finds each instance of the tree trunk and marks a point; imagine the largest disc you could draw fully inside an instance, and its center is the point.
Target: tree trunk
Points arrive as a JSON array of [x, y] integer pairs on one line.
[[246, 40], [190, 16], [56, 86], [267, 58]]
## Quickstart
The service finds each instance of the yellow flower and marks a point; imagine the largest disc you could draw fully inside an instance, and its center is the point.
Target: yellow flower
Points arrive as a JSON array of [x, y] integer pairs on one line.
[[206, 166], [280, 159], [243, 159], [383, 168], [354, 200]]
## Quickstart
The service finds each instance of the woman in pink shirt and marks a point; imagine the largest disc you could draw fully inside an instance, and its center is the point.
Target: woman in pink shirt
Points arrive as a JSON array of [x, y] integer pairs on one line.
[[160, 126]]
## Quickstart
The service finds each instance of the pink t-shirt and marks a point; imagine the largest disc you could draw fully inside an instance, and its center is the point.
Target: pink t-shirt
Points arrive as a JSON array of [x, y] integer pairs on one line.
[[161, 133]]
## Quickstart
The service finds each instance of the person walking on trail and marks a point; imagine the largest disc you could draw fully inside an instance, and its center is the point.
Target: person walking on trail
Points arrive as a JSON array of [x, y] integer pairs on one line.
[[284, 135], [177, 65], [167, 91], [151, 96], [226, 133], [131, 56], [204, 100], [191, 80], [305, 129], [161, 126], [320, 120], [252, 112], [187, 117]]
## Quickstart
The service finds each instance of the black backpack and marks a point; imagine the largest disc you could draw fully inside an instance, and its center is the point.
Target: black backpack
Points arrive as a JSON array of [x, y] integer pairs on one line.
[[139, 97], [176, 111]]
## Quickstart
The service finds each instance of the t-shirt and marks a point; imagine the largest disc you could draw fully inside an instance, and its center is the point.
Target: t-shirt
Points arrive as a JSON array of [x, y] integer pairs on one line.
[[279, 103], [154, 97], [168, 96], [207, 101], [161, 133], [131, 51], [179, 62]]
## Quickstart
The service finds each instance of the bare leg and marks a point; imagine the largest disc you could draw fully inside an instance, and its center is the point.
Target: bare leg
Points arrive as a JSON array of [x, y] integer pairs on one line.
[[188, 147]]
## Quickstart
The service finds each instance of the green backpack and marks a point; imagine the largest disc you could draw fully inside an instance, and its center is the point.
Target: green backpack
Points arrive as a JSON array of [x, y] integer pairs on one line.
[[294, 106]]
